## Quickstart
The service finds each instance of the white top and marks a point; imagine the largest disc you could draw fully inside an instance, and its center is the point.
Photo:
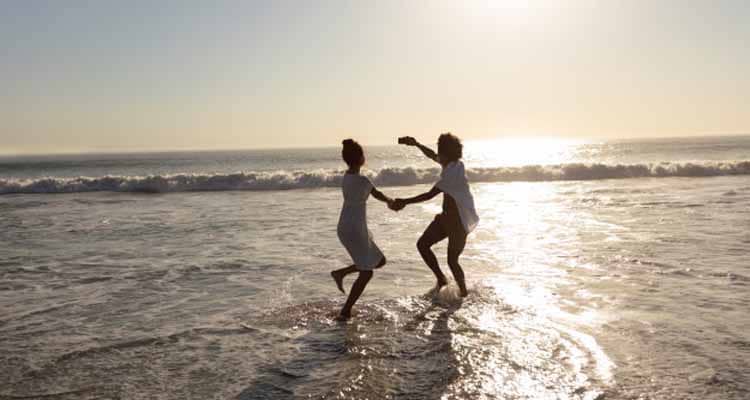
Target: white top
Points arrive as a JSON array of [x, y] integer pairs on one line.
[[453, 181], [352, 228]]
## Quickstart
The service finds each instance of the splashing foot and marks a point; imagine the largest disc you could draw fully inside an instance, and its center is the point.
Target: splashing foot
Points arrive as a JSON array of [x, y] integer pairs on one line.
[[343, 317]]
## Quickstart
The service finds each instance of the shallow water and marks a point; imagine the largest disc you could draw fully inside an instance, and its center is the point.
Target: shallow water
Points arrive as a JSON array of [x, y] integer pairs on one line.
[[615, 289]]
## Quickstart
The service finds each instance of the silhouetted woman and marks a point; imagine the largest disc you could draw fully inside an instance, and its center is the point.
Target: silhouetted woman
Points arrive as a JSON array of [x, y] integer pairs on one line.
[[459, 217], [352, 228]]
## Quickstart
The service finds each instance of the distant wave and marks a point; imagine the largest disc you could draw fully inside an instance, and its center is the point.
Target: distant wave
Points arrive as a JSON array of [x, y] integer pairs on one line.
[[284, 180]]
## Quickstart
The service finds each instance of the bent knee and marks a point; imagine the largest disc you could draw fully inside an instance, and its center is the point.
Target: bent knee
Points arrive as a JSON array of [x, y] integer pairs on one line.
[[383, 261], [365, 275], [423, 244]]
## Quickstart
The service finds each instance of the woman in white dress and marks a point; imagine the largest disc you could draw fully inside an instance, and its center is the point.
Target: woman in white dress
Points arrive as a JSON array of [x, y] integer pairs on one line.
[[352, 228]]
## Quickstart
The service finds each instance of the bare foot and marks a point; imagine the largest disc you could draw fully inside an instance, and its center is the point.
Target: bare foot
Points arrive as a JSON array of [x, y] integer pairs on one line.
[[435, 289], [462, 289], [339, 279], [343, 317]]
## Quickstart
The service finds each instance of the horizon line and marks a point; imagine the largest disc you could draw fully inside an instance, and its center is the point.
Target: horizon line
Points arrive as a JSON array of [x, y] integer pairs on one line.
[[124, 151]]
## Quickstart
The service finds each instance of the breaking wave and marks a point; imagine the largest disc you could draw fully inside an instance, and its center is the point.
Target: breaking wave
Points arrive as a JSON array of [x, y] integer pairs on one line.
[[284, 180]]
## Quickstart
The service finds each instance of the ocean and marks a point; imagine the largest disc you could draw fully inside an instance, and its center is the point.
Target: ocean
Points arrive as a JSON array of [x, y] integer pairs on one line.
[[599, 270]]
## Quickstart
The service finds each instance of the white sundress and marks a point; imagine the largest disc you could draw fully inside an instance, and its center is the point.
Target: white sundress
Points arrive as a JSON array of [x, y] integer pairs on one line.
[[352, 228]]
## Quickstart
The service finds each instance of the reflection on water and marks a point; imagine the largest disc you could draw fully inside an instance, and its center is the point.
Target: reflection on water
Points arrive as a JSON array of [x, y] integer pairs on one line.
[[428, 347], [390, 351], [627, 288]]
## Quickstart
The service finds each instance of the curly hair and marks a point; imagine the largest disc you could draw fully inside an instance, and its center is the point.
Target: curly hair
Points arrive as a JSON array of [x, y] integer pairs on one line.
[[450, 148]]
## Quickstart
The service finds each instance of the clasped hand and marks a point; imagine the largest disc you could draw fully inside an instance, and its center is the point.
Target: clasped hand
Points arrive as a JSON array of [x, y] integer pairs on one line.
[[396, 204]]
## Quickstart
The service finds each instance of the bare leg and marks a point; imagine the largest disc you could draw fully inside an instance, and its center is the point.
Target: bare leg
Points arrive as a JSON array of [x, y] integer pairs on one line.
[[339, 274], [456, 243], [357, 288], [433, 234]]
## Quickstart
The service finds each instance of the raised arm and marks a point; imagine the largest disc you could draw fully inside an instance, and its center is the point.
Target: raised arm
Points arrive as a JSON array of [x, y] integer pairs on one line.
[[410, 141]]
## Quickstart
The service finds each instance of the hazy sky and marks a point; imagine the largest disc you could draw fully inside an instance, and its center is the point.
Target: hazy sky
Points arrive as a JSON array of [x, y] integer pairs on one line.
[[134, 75]]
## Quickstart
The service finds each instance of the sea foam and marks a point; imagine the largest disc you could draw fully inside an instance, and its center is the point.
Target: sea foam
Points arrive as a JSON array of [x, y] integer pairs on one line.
[[285, 180]]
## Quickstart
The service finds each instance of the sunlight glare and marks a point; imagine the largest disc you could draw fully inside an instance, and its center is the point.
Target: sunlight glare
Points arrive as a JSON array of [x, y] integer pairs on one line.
[[512, 12], [516, 152]]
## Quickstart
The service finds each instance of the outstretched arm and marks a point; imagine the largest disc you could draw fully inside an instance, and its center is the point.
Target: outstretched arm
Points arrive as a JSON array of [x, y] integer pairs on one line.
[[410, 141], [423, 197], [398, 204], [380, 196]]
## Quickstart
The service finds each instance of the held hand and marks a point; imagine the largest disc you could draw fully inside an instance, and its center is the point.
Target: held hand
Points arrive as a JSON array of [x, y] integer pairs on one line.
[[397, 205], [391, 204], [407, 140]]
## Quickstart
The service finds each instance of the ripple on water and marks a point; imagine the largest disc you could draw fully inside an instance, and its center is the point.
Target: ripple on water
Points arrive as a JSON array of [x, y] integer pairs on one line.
[[417, 347], [430, 346]]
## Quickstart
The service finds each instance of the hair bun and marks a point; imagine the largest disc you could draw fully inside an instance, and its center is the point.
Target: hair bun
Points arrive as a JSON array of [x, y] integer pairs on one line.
[[352, 153]]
